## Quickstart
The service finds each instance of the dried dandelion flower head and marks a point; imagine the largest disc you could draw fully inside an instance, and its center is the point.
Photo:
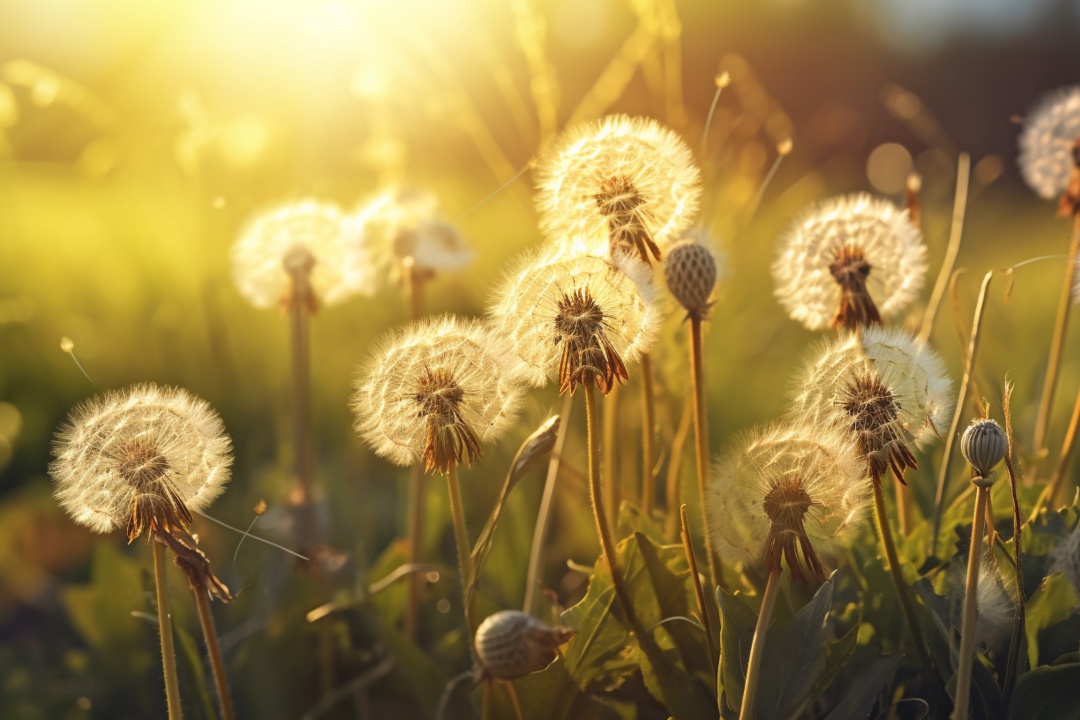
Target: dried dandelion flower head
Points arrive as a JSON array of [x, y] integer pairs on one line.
[[435, 391], [848, 262], [403, 226], [883, 386], [690, 271], [511, 644], [578, 318], [792, 491], [620, 185], [1050, 133], [1066, 559], [311, 242], [143, 458]]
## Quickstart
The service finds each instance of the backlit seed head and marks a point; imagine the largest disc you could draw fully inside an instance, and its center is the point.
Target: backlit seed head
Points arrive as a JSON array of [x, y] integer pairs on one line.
[[995, 606], [1050, 131], [621, 185], [690, 271], [984, 445], [849, 261], [511, 644], [578, 318], [792, 491], [404, 226], [435, 392], [141, 458], [310, 237], [882, 386]]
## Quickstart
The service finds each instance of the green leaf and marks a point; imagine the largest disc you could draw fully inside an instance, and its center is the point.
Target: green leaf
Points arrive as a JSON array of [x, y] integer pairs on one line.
[[737, 621], [549, 694], [860, 699], [101, 611], [1052, 604], [1047, 693]]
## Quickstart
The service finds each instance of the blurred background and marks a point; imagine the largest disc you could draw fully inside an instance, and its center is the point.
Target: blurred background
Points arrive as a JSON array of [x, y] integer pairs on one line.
[[137, 139]]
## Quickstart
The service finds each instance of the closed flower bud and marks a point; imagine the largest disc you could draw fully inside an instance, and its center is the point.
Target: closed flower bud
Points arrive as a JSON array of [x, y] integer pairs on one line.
[[691, 275], [984, 445], [511, 644]]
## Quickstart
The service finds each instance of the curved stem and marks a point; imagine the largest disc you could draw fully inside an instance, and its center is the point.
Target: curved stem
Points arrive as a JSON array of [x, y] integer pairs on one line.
[[757, 648], [673, 491], [648, 433], [1049, 495], [543, 515], [902, 589], [206, 619], [461, 536], [699, 592], [963, 175], [967, 627], [701, 443], [1057, 341], [168, 653]]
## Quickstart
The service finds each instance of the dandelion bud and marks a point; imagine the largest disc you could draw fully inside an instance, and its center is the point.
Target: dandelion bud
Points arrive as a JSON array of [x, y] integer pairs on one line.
[[984, 445], [691, 275], [511, 644]]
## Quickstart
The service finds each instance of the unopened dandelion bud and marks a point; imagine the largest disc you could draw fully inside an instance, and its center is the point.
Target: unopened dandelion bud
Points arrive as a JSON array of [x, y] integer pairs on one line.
[[983, 445], [511, 644], [691, 275]]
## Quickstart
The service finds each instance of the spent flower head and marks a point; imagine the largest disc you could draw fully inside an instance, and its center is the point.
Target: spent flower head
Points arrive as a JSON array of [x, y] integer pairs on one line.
[[403, 226], [619, 185], [309, 241], [791, 491], [885, 387], [435, 391], [1050, 133], [143, 458], [578, 318], [849, 261]]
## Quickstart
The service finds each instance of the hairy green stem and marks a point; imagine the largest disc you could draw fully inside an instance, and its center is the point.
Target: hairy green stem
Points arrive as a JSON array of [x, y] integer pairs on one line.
[[217, 665], [648, 433], [168, 653], [701, 443], [461, 536]]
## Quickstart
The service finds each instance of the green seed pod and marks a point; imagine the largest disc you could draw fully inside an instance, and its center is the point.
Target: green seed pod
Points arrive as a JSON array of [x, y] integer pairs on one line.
[[511, 644], [690, 272], [984, 444]]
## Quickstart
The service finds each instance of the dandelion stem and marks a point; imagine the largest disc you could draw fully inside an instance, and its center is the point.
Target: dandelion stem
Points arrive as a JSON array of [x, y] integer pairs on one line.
[[414, 290], [699, 592], [1049, 495], [965, 383], [648, 433], [757, 647], [518, 715], [963, 175], [206, 619], [461, 536], [609, 444], [299, 309], [967, 627], [672, 491], [1057, 341], [543, 515], [902, 590], [168, 654], [701, 442]]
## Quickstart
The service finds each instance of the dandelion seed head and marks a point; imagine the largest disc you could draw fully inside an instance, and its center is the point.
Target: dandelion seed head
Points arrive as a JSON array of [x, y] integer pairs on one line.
[[435, 391], [157, 447], [843, 245], [603, 183], [884, 386], [558, 308], [791, 487], [403, 226], [1046, 142], [311, 237]]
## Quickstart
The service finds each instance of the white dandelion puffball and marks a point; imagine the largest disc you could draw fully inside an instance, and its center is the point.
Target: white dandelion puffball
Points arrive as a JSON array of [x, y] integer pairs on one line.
[[891, 245], [145, 440], [530, 309], [403, 226], [1046, 143], [297, 237], [436, 383], [594, 166], [912, 373], [818, 460]]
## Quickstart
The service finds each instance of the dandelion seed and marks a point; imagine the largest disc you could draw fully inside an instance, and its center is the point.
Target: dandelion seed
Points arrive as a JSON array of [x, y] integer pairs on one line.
[[435, 391], [849, 262], [310, 237], [144, 458], [1047, 142], [883, 386], [578, 318], [403, 227], [994, 604], [621, 185], [791, 491]]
